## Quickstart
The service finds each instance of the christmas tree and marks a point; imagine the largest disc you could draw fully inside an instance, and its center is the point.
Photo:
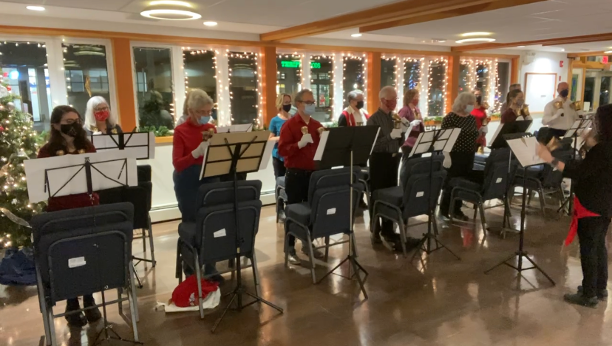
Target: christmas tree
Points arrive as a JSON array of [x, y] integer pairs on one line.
[[18, 142]]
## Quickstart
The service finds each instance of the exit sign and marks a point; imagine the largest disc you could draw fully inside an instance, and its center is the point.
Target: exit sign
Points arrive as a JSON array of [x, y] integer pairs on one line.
[[297, 64]]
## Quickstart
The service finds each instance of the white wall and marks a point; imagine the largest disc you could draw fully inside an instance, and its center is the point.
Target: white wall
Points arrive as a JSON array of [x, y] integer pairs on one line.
[[545, 62]]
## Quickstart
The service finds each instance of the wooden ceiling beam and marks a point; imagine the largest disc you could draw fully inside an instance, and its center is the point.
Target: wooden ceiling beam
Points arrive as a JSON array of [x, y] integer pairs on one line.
[[395, 11], [546, 42], [447, 14]]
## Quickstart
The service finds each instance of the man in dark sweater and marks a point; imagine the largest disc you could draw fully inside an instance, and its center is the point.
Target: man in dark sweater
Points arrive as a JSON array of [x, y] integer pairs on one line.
[[592, 207]]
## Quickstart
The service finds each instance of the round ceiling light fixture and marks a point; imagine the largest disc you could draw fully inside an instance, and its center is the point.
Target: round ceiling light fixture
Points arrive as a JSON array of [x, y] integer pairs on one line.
[[210, 23], [476, 39], [170, 10], [35, 8], [479, 33]]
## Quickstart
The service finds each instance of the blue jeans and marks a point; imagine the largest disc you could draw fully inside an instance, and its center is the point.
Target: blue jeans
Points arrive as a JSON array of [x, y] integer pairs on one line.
[[186, 185]]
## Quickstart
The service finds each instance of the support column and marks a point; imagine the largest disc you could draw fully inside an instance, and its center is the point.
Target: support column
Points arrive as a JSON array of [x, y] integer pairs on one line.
[[373, 76], [338, 102], [453, 72], [400, 73], [124, 77], [514, 76], [268, 79]]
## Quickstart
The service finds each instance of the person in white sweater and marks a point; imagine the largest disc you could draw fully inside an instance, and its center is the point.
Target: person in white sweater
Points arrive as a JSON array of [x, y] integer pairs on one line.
[[560, 113]]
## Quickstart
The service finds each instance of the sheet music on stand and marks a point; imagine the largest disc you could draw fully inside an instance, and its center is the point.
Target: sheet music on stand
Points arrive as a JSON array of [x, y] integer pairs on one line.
[[524, 149], [442, 140], [255, 154], [139, 145], [69, 174], [235, 128], [578, 127]]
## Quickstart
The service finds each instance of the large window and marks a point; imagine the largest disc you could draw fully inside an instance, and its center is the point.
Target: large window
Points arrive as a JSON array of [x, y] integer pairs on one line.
[[354, 76], [387, 72], [86, 74], [464, 76], [412, 74], [321, 75], [503, 75], [155, 92], [243, 87], [199, 67], [604, 91], [289, 74], [437, 88], [482, 79], [24, 66]]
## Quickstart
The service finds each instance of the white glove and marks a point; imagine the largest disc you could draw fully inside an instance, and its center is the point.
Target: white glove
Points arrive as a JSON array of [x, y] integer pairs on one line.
[[396, 133], [415, 123], [307, 138], [484, 129], [200, 150]]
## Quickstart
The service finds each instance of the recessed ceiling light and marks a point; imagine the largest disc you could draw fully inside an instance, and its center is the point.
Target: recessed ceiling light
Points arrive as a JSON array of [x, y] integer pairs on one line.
[[476, 39], [35, 8], [170, 10], [608, 52], [356, 35], [210, 23], [470, 34], [520, 47]]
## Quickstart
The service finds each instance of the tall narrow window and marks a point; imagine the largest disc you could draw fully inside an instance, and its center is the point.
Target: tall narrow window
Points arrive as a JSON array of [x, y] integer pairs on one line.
[[503, 74], [200, 67], [354, 76], [388, 72], [155, 92], [437, 88], [412, 74], [289, 74], [243, 87], [322, 84], [86, 74], [464, 76], [24, 68], [482, 79]]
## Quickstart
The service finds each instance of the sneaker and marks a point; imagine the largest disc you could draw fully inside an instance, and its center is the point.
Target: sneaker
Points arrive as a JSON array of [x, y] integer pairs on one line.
[[293, 258], [601, 294], [317, 253], [92, 315], [76, 320], [579, 299], [217, 278], [460, 216]]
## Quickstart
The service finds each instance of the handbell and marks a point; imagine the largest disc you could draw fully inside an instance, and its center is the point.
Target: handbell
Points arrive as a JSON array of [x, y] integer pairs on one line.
[[553, 144], [485, 105], [577, 105], [321, 130], [304, 130], [558, 104], [525, 110], [397, 121]]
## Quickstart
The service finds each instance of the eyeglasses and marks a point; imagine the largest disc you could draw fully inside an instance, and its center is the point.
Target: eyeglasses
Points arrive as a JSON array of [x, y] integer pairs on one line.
[[102, 109], [202, 112]]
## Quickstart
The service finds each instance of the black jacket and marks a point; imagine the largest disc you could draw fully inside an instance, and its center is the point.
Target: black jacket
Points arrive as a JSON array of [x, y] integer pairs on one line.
[[593, 179]]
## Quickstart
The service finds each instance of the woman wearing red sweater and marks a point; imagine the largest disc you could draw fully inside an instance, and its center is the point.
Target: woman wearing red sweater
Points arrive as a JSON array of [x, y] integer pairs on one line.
[[480, 113], [69, 137], [189, 147]]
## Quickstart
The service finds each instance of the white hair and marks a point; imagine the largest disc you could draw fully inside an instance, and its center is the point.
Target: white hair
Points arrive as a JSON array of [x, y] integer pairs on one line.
[[384, 92], [353, 95], [198, 98], [90, 119], [462, 101]]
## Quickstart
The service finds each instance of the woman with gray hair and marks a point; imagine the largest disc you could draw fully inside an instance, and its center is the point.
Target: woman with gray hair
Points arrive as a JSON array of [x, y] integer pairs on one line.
[[354, 115], [462, 154], [99, 118]]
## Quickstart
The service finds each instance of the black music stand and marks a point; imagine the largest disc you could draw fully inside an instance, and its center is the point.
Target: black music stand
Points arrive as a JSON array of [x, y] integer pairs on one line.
[[515, 129], [433, 142], [141, 145], [524, 148], [574, 132], [348, 146], [233, 153]]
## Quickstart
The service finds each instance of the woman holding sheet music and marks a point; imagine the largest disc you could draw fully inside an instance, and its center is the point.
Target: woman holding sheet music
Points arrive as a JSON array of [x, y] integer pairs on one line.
[[69, 138], [190, 142], [592, 206]]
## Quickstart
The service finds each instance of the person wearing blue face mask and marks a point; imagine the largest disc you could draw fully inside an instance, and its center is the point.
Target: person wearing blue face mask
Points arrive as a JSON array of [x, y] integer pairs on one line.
[[190, 142], [462, 155]]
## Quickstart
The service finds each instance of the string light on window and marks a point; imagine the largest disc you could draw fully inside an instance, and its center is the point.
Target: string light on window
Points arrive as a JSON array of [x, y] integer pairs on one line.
[[255, 67], [293, 59], [330, 75], [395, 69], [437, 101], [193, 52], [361, 81], [412, 69]]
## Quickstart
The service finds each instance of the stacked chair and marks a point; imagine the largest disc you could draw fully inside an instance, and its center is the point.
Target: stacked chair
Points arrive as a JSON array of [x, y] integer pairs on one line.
[[497, 177], [84, 251], [327, 212], [281, 196], [421, 180], [212, 237]]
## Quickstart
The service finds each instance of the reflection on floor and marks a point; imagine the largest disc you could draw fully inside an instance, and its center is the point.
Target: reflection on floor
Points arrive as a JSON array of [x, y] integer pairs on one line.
[[444, 302]]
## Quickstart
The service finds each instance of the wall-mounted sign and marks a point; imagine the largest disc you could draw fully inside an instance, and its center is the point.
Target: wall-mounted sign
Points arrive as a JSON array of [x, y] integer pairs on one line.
[[297, 64]]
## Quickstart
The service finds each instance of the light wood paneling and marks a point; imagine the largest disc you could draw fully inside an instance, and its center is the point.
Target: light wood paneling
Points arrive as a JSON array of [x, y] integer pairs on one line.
[[126, 104], [374, 68], [269, 83]]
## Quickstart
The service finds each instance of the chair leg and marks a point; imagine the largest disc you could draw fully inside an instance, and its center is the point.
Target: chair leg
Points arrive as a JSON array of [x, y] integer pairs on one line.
[[256, 275], [475, 211], [198, 269], [120, 304], [151, 243], [133, 304], [179, 262], [561, 196], [483, 220], [52, 337], [400, 224], [326, 248], [542, 201], [311, 255], [530, 194], [144, 242]]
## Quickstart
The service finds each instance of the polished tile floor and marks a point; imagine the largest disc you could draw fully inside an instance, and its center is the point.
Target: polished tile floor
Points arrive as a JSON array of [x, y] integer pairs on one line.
[[440, 301]]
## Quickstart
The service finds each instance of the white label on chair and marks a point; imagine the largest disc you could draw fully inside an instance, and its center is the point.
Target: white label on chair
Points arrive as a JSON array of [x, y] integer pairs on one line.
[[420, 194], [499, 180], [220, 233], [331, 211], [76, 262]]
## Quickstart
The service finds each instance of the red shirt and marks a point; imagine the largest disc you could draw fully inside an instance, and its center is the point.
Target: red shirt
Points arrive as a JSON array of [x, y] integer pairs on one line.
[[187, 137], [80, 200], [290, 135], [508, 116], [480, 114]]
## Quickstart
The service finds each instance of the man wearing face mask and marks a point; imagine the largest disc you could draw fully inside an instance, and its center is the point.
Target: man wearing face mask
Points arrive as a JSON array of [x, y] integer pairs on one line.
[[385, 158], [354, 114], [559, 114], [297, 144]]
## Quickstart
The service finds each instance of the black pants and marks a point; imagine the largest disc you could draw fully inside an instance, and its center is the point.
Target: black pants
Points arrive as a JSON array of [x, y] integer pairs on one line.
[[462, 166], [296, 187], [593, 254], [383, 174], [279, 167]]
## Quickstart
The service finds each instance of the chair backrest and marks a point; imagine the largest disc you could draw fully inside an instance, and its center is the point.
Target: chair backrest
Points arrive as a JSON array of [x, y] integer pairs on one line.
[[93, 244], [216, 215], [420, 189], [551, 177], [139, 196], [419, 165], [330, 178], [144, 173]]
